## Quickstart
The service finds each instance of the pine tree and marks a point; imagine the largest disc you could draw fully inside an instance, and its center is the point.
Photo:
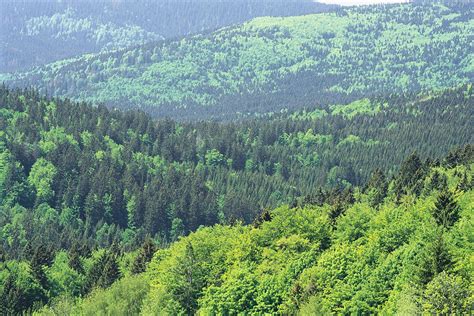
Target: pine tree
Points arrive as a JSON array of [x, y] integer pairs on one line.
[[446, 211], [465, 184], [111, 272], [75, 259], [265, 216], [11, 298], [43, 256], [95, 273], [189, 283], [144, 256], [409, 176]]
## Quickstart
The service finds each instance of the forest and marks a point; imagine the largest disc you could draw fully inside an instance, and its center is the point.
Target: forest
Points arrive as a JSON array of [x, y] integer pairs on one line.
[[245, 157], [399, 246], [86, 186], [271, 64], [30, 28]]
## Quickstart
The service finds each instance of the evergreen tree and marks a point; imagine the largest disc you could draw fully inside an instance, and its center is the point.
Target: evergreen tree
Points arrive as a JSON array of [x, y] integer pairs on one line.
[[11, 299], [465, 184], [409, 176], [446, 211], [43, 256], [265, 216], [144, 256], [75, 259], [188, 285], [436, 258], [438, 181], [95, 273], [110, 273]]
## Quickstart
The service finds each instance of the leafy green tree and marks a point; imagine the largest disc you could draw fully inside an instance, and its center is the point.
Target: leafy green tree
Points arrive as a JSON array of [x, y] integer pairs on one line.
[[41, 178], [447, 294], [215, 158]]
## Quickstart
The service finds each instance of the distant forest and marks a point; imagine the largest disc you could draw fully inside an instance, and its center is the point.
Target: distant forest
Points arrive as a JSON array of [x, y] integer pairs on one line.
[[273, 64]]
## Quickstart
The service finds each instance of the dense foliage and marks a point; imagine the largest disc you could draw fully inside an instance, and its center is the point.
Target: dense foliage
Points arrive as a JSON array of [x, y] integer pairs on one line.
[[70, 171], [348, 254], [36, 32], [269, 64]]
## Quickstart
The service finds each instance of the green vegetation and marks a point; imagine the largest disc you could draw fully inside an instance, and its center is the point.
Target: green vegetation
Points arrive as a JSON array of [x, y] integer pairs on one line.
[[336, 177], [36, 32], [269, 64], [340, 254], [70, 171], [82, 187]]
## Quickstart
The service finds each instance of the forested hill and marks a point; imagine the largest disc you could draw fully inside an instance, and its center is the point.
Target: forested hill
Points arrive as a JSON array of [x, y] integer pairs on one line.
[[35, 32], [269, 64], [400, 247], [70, 171]]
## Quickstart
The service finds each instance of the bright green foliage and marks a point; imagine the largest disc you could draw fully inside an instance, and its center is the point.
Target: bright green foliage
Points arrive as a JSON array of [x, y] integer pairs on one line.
[[102, 178], [41, 179], [215, 158], [124, 297], [352, 109], [389, 260], [55, 137], [180, 273], [447, 294], [392, 259]]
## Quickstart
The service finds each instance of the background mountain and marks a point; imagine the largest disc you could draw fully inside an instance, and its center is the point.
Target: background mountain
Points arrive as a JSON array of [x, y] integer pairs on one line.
[[37, 32], [270, 64]]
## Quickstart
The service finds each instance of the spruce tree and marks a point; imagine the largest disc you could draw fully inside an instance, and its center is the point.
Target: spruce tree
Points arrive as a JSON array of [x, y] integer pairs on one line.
[[75, 259], [111, 272], [144, 256], [446, 211]]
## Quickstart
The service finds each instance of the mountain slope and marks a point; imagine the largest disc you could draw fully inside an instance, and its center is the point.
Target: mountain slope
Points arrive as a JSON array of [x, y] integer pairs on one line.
[[71, 171], [36, 32], [270, 64], [352, 255]]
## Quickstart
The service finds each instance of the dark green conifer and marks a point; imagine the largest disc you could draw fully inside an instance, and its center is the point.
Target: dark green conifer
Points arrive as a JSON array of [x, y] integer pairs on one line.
[[446, 211], [144, 256]]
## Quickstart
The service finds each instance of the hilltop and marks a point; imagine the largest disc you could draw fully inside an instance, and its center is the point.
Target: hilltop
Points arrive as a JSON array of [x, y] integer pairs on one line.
[[272, 64]]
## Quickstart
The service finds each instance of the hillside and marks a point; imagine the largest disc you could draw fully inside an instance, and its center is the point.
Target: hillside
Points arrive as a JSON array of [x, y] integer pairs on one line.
[[270, 64], [372, 251], [36, 32], [71, 171]]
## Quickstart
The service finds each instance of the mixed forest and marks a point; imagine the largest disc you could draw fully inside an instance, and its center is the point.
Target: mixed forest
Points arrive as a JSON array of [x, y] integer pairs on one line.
[[99, 183], [314, 160], [270, 64], [30, 28]]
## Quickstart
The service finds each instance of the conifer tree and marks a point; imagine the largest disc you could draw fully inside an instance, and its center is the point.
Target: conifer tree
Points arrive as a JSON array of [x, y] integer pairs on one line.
[[110, 273], [75, 259], [265, 216], [409, 176], [144, 256], [446, 211]]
